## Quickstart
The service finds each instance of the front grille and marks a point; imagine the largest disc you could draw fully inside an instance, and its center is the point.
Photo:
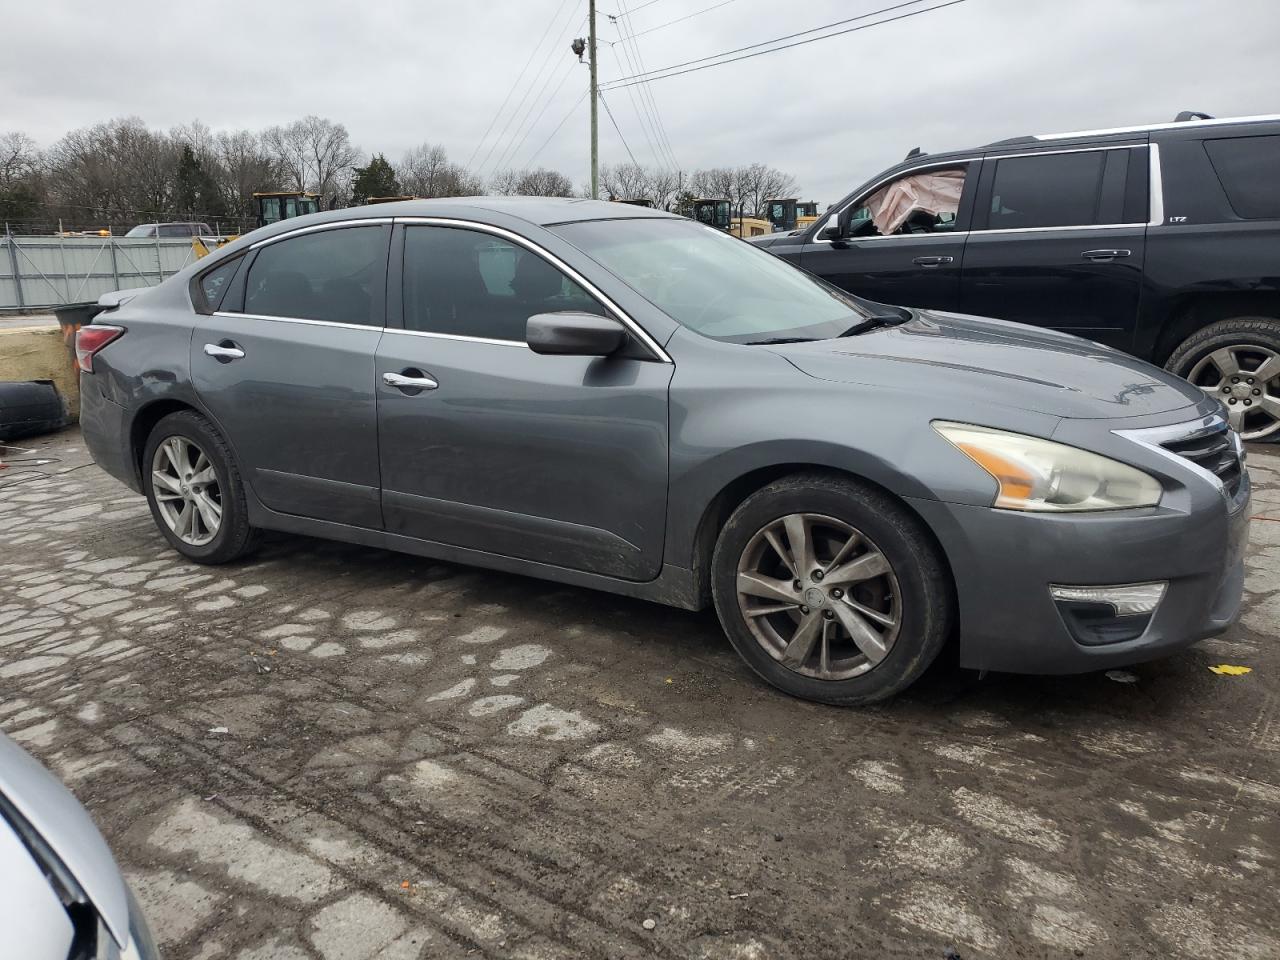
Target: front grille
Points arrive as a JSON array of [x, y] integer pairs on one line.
[[1213, 450]]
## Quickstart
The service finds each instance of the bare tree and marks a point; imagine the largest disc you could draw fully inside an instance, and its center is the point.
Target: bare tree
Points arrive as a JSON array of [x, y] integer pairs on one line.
[[716, 183], [244, 168], [315, 154], [626, 181], [503, 183], [544, 183], [426, 171], [757, 183], [19, 159], [113, 170]]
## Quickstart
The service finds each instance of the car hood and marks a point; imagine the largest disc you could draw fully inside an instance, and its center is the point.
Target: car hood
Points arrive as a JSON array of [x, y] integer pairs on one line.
[[953, 355]]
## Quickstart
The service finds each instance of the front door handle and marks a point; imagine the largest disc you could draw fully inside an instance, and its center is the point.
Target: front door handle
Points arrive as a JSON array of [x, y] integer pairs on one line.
[[1104, 254], [223, 352], [410, 381], [932, 261]]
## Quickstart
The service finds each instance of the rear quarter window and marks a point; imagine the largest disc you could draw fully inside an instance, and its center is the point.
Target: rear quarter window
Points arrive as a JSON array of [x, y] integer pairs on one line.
[[214, 284], [1249, 170]]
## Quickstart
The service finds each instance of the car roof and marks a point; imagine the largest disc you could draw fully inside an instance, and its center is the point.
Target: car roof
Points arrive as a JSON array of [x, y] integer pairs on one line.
[[542, 211]]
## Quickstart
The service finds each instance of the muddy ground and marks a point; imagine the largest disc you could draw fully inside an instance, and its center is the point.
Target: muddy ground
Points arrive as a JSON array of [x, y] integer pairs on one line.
[[335, 752]]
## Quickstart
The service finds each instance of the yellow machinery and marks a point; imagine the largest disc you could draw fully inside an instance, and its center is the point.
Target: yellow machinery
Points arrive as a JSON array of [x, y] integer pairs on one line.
[[407, 196], [806, 213], [716, 213], [749, 227], [272, 208]]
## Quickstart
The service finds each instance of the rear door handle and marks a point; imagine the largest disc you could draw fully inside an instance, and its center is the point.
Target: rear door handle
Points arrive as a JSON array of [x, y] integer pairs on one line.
[[224, 351], [932, 261], [410, 380], [1104, 254]]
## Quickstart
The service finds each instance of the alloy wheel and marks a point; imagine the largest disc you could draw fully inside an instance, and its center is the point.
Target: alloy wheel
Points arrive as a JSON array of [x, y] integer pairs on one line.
[[819, 596], [1246, 378], [186, 490]]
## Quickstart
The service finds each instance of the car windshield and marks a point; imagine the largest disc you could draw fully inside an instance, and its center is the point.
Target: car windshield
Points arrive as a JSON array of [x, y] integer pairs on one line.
[[715, 284]]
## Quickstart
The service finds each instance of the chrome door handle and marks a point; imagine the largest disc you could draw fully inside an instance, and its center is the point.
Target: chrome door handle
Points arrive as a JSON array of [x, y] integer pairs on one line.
[[411, 383], [1104, 254], [932, 261], [223, 353]]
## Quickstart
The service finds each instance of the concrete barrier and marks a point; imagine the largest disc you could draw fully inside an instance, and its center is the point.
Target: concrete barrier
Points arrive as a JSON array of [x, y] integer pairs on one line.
[[42, 353]]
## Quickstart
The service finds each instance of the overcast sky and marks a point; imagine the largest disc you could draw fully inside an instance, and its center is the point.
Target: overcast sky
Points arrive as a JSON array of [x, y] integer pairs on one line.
[[833, 113]]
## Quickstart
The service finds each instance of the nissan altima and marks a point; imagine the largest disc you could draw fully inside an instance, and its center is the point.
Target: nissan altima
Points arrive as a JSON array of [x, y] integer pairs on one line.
[[619, 398]]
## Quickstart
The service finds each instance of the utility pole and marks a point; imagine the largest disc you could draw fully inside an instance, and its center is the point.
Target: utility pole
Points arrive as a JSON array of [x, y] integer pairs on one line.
[[579, 46], [595, 96]]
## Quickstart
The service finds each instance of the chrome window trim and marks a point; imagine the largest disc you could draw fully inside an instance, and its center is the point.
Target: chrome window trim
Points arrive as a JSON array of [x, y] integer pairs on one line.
[[455, 336], [317, 323], [317, 227], [1171, 125], [835, 215], [640, 333], [999, 156], [1155, 188], [1153, 437]]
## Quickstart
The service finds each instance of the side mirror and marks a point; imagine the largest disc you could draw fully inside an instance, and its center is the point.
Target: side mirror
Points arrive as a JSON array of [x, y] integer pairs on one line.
[[574, 334], [831, 230]]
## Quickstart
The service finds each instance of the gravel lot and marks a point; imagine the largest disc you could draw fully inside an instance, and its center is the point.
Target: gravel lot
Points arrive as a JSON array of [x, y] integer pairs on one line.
[[335, 752]]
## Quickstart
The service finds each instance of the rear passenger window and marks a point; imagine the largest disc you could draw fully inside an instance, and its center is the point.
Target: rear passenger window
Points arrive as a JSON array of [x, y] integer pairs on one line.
[[473, 284], [213, 285], [1249, 169], [1050, 190], [334, 275]]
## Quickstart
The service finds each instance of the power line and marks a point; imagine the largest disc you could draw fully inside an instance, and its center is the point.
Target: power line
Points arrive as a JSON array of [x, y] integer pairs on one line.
[[646, 90], [650, 3], [528, 90], [505, 100], [689, 16], [638, 105], [671, 71], [619, 130], [537, 152], [529, 121], [550, 100]]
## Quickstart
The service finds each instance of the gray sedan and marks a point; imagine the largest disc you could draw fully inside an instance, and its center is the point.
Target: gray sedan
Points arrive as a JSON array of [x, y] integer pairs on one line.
[[618, 398]]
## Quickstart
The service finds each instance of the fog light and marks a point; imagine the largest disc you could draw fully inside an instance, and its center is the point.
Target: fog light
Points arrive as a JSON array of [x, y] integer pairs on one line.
[[1127, 599]]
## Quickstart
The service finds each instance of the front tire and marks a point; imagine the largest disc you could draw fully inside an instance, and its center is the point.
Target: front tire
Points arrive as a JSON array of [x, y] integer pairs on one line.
[[1238, 362], [195, 491], [831, 590]]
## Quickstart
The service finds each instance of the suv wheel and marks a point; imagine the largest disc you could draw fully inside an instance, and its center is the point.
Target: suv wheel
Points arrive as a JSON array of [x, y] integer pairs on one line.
[[1237, 361], [195, 492], [830, 590]]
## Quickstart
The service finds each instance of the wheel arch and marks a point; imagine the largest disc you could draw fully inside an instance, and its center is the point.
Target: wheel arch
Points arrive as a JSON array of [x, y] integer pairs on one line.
[[734, 491], [1191, 312]]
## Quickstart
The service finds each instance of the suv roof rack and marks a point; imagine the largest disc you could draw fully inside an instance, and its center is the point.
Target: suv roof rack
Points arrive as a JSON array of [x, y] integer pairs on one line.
[[1186, 115], [1012, 141]]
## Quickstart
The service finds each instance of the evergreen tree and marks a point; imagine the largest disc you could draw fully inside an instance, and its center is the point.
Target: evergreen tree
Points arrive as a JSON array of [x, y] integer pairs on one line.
[[378, 179]]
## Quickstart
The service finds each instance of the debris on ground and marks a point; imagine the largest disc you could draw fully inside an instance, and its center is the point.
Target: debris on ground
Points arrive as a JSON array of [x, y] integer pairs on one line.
[[649, 924], [219, 730], [1230, 670], [1122, 676]]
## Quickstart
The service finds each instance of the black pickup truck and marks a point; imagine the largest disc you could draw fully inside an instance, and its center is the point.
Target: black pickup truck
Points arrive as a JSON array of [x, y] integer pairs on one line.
[[1161, 240]]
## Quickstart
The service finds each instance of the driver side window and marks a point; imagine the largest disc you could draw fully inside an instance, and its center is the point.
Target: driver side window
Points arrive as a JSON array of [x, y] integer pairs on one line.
[[474, 284], [925, 202]]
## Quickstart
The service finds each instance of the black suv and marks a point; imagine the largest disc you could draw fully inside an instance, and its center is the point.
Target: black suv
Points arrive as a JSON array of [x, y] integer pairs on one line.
[[1161, 240]]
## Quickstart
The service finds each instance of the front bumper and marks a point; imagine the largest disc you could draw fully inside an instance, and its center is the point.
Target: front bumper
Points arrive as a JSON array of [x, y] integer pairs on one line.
[[1004, 561]]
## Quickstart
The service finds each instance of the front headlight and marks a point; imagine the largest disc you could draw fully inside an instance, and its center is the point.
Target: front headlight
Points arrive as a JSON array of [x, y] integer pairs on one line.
[[1036, 474]]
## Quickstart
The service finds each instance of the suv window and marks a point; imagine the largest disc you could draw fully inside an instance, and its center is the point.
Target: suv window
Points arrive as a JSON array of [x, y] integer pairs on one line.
[[474, 284], [1249, 170], [330, 275], [1050, 190], [175, 230], [214, 283], [925, 202]]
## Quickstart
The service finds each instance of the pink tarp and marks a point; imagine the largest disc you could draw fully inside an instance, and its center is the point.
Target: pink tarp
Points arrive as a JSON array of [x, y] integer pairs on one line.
[[935, 193]]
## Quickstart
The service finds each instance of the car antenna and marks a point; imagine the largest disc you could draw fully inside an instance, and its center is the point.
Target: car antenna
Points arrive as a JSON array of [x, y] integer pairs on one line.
[[915, 152]]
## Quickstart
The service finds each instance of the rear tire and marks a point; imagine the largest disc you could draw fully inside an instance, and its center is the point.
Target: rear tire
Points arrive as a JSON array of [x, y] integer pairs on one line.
[[863, 630], [195, 492], [1237, 361]]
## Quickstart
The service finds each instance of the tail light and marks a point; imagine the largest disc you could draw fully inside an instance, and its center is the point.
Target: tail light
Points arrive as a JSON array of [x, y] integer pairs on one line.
[[91, 339]]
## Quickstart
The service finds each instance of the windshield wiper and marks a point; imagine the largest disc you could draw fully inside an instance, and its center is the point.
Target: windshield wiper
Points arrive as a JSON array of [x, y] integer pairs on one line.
[[776, 340], [872, 323]]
